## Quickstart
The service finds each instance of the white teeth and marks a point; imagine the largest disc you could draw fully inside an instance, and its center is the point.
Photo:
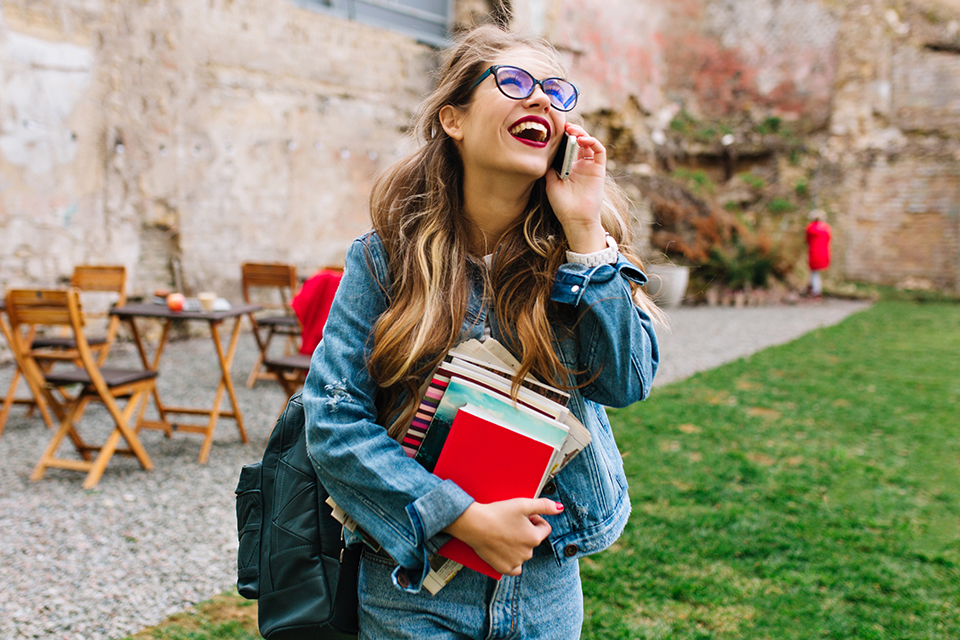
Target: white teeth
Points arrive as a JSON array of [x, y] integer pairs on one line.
[[529, 124]]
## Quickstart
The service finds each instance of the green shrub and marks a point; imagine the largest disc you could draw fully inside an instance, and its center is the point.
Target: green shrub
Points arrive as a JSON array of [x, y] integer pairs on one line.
[[752, 180], [724, 249], [781, 205], [770, 125], [696, 179]]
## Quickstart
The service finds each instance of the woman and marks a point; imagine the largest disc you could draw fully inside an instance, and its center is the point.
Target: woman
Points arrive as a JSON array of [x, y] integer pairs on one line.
[[474, 236]]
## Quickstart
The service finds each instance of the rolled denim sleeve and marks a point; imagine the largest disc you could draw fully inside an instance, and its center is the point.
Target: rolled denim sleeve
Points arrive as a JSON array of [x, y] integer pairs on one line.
[[617, 351], [392, 497]]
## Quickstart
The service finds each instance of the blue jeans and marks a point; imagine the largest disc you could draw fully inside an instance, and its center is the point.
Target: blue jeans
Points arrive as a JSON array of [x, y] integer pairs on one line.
[[545, 601]]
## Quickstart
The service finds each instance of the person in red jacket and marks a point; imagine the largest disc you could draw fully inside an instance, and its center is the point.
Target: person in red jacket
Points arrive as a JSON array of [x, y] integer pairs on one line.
[[818, 244]]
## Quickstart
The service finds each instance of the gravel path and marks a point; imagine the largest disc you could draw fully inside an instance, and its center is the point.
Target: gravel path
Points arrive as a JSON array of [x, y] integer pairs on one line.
[[143, 545]]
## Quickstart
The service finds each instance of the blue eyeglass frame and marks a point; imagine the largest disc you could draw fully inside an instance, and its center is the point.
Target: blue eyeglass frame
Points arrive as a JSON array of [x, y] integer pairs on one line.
[[493, 71]]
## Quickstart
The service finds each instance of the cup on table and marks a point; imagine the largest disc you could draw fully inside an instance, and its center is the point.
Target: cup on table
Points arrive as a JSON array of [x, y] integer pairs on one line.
[[207, 300]]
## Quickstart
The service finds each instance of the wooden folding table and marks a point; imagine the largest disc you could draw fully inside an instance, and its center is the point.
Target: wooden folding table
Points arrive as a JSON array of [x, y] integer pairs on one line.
[[130, 312]]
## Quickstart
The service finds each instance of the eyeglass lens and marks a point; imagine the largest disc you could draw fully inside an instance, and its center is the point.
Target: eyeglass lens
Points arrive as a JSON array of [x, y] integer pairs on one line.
[[519, 84]]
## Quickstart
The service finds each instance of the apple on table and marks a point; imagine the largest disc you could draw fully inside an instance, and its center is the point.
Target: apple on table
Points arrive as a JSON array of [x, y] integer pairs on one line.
[[175, 301]]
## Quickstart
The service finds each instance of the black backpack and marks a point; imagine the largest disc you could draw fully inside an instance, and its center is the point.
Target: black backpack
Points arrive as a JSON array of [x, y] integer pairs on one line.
[[291, 557]]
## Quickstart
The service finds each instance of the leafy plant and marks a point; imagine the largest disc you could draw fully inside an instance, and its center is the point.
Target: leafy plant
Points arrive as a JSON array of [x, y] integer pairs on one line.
[[802, 189], [697, 179], [752, 180], [781, 205], [686, 126], [770, 124], [724, 249]]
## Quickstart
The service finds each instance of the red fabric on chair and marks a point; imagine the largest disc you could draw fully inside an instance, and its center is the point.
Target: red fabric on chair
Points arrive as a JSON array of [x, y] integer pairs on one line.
[[312, 306]]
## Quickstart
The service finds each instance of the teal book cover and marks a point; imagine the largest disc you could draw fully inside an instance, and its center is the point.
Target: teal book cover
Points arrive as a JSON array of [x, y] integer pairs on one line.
[[461, 392]]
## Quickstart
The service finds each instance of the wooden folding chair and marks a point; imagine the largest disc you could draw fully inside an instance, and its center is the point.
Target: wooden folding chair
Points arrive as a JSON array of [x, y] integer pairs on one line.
[[87, 278], [290, 371], [58, 308], [312, 306], [277, 318]]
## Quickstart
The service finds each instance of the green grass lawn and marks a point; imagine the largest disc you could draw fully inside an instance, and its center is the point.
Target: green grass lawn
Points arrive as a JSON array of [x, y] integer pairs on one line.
[[810, 491]]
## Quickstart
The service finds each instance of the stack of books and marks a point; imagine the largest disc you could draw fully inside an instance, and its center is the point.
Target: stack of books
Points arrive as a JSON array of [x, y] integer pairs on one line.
[[469, 429]]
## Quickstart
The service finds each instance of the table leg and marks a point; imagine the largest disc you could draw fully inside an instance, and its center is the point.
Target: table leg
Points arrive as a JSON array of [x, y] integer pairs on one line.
[[231, 391], [226, 383], [163, 423]]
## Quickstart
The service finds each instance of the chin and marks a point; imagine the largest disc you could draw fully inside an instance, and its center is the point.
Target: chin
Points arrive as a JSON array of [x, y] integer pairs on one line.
[[531, 171]]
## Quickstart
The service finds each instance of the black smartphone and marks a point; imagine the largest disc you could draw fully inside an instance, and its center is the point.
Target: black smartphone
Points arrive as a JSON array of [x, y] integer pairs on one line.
[[566, 154]]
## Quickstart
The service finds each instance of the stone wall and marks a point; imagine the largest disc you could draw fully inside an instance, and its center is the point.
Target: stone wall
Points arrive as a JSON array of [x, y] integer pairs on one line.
[[894, 145], [736, 58], [210, 132]]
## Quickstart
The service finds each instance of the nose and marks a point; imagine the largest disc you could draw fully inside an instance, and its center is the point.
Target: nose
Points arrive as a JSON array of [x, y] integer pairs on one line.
[[538, 97]]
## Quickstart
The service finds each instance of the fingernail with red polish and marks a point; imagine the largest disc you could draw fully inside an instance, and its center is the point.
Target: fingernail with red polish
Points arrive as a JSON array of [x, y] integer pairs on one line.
[[559, 506]]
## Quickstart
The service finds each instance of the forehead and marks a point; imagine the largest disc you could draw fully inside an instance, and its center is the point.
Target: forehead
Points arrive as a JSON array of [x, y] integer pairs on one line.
[[536, 62]]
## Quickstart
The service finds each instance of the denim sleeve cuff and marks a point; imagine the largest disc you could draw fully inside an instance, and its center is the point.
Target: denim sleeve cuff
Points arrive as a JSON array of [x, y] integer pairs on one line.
[[429, 514], [438, 508], [572, 279]]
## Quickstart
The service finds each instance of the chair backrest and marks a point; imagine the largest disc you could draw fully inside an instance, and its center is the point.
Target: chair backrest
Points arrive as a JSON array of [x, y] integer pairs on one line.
[[29, 308], [110, 279], [269, 275], [40, 307], [87, 277]]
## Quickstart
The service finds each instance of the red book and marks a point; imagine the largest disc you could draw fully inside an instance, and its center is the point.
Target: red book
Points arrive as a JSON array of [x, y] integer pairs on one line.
[[490, 462]]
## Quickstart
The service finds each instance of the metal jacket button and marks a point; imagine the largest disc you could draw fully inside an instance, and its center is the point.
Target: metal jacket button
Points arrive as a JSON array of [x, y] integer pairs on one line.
[[403, 580], [570, 550], [550, 488]]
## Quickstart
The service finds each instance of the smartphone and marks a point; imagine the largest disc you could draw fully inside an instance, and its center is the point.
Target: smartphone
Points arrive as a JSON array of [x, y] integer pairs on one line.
[[566, 154]]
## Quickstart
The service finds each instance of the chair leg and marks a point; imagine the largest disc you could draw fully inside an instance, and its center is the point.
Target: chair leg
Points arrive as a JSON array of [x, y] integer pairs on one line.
[[66, 428], [255, 372], [289, 386], [8, 401], [290, 381], [100, 464], [126, 428], [262, 347], [36, 402], [123, 430], [129, 428], [82, 447], [291, 347]]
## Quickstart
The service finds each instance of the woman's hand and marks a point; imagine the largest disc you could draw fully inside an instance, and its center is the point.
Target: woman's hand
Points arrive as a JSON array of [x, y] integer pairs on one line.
[[576, 201], [505, 533]]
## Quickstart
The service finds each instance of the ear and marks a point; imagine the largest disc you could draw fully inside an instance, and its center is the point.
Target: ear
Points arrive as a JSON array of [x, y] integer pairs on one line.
[[451, 119]]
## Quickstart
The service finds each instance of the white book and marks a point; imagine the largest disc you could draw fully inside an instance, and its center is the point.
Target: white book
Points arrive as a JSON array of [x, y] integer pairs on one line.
[[503, 387]]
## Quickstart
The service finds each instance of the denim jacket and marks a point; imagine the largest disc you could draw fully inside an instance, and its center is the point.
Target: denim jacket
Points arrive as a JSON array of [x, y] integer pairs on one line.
[[403, 506]]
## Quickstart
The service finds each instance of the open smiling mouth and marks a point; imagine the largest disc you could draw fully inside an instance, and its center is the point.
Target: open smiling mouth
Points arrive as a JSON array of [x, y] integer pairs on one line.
[[530, 130]]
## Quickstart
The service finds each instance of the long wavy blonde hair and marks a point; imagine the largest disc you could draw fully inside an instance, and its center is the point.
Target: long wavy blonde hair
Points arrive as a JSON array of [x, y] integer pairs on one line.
[[417, 210]]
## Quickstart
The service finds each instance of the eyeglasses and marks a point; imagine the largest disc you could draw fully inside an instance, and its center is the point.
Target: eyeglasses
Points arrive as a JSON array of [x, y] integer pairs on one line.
[[518, 84]]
